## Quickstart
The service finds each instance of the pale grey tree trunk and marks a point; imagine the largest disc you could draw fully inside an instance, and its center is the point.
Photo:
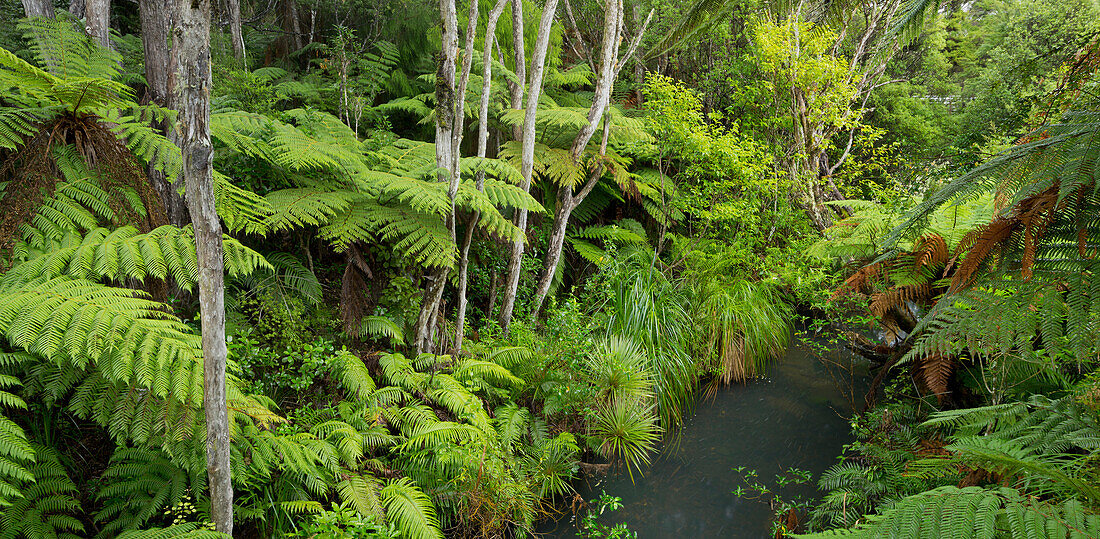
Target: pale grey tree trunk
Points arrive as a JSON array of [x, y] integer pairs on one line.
[[450, 122], [482, 149], [444, 129], [515, 89], [527, 155], [567, 200], [191, 40], [38, 8], [76, 8], [639, 68], [97, 18], [609, 49], [235, 34]]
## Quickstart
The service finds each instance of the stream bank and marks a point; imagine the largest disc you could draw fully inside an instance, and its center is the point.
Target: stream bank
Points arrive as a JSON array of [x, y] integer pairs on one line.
[[795, 417]]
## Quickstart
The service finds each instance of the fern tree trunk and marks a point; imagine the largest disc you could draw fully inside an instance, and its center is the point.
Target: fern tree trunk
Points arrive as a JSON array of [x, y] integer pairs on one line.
[[482, 148], [193, 78], [527, 155]]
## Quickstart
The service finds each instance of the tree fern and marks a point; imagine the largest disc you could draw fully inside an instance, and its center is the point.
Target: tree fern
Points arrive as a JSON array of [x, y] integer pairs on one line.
[[123, 253], [976, 512], [187, 530], [47, 506], [139, 485], [128, 338], [382, 327], [411, 510], [16, 451]]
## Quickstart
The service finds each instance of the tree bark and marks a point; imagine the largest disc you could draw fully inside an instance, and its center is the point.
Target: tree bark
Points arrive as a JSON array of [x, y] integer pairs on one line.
[[38, 8], [567, 201], [482, 149], [159, 67], [527, 155], [235, 31], [193, 79], [97, 17], [515, 89], [444, 129], [450, 121], [76, 8], [639, 68]]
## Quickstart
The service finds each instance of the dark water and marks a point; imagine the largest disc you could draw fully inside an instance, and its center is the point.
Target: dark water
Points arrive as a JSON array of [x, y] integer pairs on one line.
[[795, 417]]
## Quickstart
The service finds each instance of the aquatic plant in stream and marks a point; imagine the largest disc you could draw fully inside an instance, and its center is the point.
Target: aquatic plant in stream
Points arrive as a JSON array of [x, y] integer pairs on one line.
[[590, 528], [785, 511]]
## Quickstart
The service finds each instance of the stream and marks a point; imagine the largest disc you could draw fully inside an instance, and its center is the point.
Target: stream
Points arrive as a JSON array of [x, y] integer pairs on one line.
[[793, 417]]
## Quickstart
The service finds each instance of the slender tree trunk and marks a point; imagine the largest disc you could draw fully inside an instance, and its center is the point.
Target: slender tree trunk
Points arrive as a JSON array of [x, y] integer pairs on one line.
[[566, 199], [290, 25], [38, 8], [639, 68], [450, 121], [76, 8], [515, 89], [235, 31], [192, 50], [527, 156], [562, 210], [159, 63], [482, 148], [566, 202], [609, 49], [494, 277], [97, 17]]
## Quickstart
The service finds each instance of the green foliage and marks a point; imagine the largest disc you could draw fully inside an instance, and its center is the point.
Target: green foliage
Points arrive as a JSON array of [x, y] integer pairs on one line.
[[872, 475], [977, 512], [741, 325], [79, 79], [139, 486], [344, 523], [754, 488], [410, 510], [46, 506], [123, 253], [16, 451], [590, 527], [626, 431]]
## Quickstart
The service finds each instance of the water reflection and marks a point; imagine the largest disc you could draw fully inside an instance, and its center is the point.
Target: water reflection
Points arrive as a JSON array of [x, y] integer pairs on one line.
[[795, 417]]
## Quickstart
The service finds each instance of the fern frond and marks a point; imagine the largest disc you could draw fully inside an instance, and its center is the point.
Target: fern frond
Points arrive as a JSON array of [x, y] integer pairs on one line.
[[410, 510]]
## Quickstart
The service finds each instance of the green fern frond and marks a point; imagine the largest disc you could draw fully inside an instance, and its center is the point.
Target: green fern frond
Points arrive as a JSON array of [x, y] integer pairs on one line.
[[123, 253], [363, 493], [47, 507], [410, 510], [382, 327], [188, 530], [305, 207], [138, 486], [975, 512], [129, 339]]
